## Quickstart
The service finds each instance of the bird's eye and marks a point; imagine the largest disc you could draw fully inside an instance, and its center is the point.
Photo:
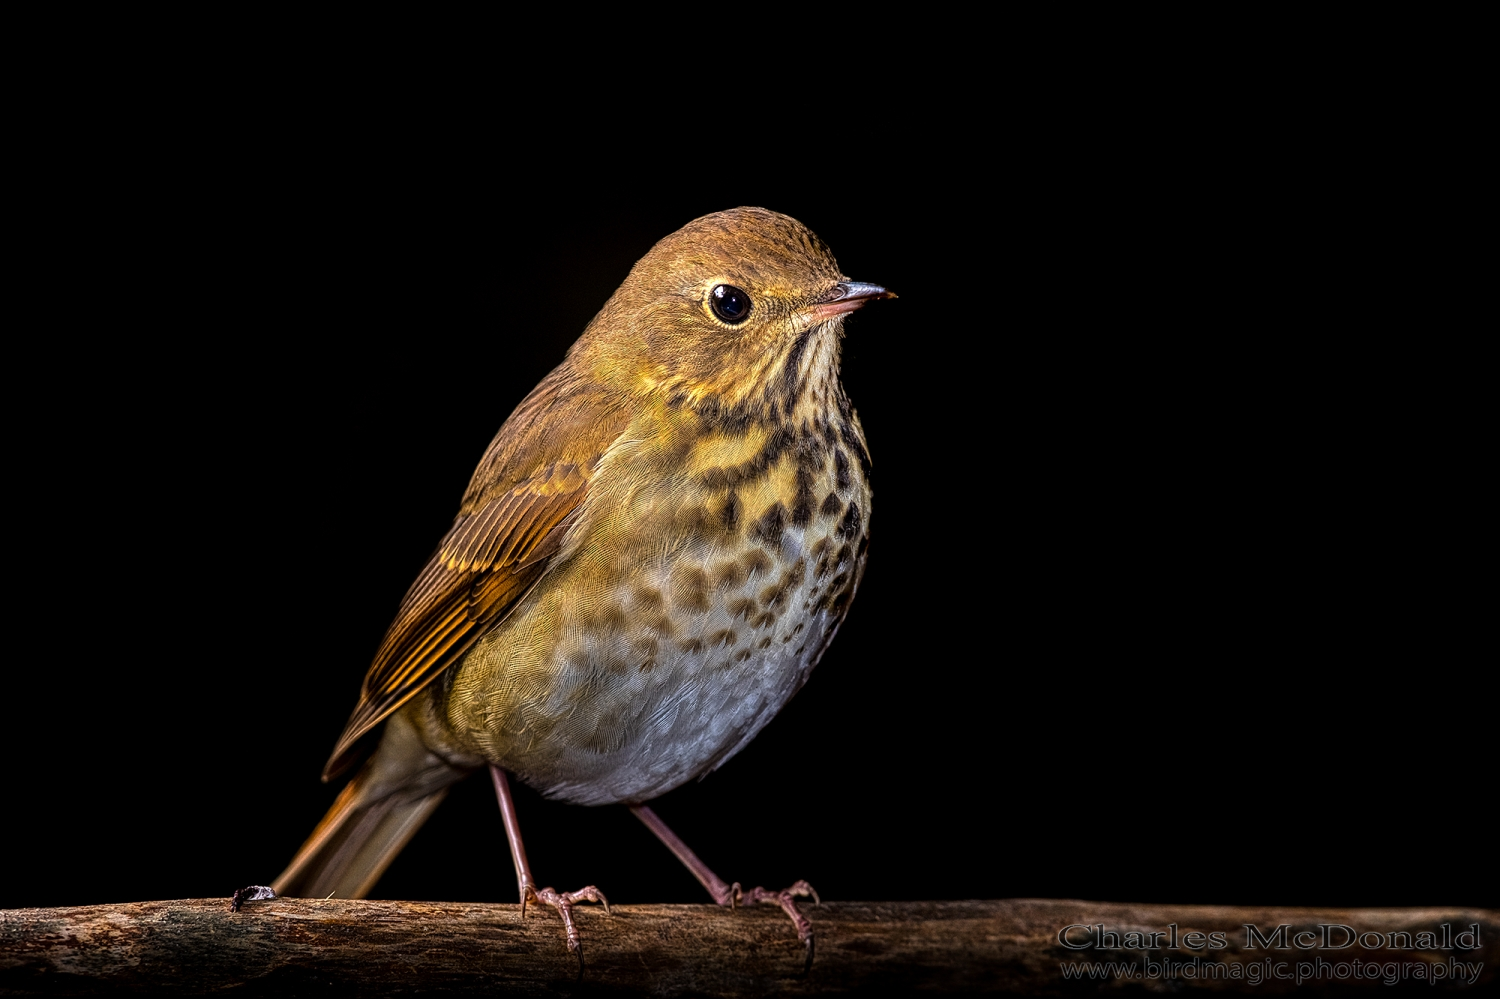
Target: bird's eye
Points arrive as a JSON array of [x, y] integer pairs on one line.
[[729, 303]]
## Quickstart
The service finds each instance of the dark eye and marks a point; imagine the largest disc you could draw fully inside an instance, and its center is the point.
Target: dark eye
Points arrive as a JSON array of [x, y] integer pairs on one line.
[[729, 303]]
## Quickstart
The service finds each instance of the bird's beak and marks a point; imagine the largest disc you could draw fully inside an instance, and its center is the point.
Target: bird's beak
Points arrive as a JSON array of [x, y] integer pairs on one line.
[[845, 297]]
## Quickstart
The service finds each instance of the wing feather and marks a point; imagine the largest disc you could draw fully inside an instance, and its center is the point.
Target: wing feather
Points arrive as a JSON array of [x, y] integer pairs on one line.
[[523, 500]]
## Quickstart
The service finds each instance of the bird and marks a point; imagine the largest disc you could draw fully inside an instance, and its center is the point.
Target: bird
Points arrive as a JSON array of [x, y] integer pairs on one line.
[[650, 558]]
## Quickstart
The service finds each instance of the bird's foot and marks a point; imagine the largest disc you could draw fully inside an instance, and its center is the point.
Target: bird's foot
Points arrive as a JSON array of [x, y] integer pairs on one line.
[[732, 895], [736, 895], [563, 902]]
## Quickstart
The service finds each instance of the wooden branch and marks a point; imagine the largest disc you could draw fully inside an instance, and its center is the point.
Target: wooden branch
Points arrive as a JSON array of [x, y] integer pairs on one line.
[[291, 946]]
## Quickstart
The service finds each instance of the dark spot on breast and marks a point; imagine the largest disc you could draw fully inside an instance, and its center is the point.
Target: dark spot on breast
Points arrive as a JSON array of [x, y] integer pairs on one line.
[[725, 637], [737, 420], [741, 608], [690, 588], [831, 505], [610, 617], [661, 623], [742, 655], [841, 481], [693, 645], [795, 632], [729, 575], [789, 374], [764, 643], [810, 451], [648, 599], [814, 455], [774, 596], [757, 561], [782, 439], [733, 420], [846, 431], [648, 665], [841, 559], [802, 506], [695, 520], [763, 620], [849, 526], [795, 573], [609, 735], [836, 601], [768, 529], [730, 515]]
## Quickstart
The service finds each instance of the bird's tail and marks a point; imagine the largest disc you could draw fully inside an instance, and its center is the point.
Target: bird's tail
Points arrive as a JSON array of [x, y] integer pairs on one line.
[[372, 819]]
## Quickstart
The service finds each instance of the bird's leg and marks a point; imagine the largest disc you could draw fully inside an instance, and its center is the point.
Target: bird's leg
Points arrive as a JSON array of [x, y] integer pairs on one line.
[[732, 895], [561, 901]]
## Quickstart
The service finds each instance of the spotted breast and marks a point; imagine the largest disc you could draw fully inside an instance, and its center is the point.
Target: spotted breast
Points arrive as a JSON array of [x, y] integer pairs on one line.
[[709, 567]]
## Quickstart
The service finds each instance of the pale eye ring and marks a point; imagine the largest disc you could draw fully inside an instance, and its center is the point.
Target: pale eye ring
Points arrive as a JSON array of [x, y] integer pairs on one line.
[[729, 303]]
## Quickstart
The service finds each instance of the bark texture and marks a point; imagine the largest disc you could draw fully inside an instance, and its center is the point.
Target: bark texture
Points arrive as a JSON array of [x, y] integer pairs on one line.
[[289, 946]]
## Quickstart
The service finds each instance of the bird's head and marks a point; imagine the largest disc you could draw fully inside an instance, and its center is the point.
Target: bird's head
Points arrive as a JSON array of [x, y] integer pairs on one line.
[[734, 309]]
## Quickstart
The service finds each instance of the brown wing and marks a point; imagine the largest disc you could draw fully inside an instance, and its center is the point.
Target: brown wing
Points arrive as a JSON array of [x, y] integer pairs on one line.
[[509, 526]]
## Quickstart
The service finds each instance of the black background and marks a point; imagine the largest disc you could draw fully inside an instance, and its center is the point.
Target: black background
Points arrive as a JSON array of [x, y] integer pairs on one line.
[[1161, 603]]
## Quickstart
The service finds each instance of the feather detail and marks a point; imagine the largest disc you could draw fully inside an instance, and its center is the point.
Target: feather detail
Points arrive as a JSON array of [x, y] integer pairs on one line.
[[495, 551]]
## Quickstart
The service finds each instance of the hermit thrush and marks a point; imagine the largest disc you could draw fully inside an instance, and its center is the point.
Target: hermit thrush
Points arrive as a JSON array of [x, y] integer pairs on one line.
[[650, 558]]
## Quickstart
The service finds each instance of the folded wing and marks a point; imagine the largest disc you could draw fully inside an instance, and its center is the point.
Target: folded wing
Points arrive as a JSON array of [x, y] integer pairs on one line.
[[510, 526]]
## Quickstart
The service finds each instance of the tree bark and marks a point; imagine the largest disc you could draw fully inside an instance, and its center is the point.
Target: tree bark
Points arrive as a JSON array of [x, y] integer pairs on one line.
[[290, 946]]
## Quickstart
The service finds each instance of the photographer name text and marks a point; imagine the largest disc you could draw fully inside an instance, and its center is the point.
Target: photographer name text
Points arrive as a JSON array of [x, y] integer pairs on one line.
[[1323, 936]]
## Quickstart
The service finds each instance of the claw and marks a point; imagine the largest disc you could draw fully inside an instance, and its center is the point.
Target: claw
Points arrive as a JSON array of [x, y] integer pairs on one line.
[[733, 895], [563, 902], [787, 900]]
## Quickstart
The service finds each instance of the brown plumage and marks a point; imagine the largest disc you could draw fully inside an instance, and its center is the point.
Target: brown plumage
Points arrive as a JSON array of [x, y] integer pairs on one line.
[[651, 556]]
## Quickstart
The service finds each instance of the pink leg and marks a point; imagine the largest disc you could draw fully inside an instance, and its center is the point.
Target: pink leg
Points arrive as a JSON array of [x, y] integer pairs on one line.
[[561, 901], [730, 895]]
